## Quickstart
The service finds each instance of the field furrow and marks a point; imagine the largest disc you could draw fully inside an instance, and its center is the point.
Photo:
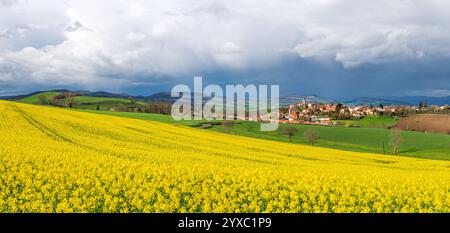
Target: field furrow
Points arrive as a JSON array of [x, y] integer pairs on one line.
[[55, 160]]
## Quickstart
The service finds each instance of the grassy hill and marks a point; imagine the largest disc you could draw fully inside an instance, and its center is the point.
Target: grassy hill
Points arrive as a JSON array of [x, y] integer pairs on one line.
[[34, 99], [60, 160], [371, 122], [88, 102], [415, 144], [84, 102]]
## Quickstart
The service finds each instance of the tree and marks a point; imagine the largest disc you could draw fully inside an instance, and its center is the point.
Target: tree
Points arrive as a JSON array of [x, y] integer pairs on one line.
[[420, 105], [289, 131], [70, 99], [43, 99], [227, 125], [53, 101], [98, 107], [339, 112], [131, 102], [339, 106], [158, 108], [395, 140], [311, 135]]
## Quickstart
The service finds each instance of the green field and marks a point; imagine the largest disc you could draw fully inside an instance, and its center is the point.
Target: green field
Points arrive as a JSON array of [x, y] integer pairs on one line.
[[87, 102], [370, 122], [415, 144], [34, 99]]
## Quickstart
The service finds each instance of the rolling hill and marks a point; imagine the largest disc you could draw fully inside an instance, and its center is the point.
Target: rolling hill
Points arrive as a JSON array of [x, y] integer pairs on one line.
[[400, 100], [414, 100], [293, 99], [363, 139], [371, 139], [60, 160], [36, 93], [285, 100], [375, 101], [85, 101]]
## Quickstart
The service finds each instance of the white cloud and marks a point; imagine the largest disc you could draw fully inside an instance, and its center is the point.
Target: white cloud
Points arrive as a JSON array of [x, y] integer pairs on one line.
[[230, 48], [135, 37], [230, 54], [111, 43]]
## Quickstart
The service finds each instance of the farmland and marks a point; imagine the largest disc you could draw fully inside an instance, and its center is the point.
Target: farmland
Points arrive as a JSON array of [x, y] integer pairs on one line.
[[369, 134], [415, 144], [59, 160], [371, 122], [437, 123], [34, 99]]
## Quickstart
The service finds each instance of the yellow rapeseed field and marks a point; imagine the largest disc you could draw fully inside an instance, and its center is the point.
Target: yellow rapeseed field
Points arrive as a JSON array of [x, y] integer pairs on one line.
[[56, 160]]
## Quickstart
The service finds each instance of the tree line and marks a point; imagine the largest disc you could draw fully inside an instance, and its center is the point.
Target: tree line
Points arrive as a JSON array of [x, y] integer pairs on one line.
[[131, 105]]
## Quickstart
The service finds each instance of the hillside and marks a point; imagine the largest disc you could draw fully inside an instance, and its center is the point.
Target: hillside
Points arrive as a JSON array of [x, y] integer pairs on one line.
[[34, 99], [85, 162], [384, 122], [23, 96], [370, 139], [294, 99], [160, 96], [84, 101], [285, 100], [362, 139], [400, 100], [414, 100]]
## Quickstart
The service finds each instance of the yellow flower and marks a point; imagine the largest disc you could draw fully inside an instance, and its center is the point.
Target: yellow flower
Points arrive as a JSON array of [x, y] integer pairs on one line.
[[54, 160]]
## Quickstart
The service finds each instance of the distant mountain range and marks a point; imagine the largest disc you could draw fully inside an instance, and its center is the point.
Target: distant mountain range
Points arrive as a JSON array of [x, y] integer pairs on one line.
[[287, 100], [18, 97], [162, 96], [414, 100], [376, 101], [386, 101], [403, 100], [284, 100]]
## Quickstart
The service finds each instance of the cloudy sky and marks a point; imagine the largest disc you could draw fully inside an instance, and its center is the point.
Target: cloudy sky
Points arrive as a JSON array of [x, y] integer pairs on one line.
[[333, 48]]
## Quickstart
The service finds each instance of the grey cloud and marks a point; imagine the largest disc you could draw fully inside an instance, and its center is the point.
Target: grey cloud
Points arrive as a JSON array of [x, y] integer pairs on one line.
[[8, 2], [91, 42], [20, 30]]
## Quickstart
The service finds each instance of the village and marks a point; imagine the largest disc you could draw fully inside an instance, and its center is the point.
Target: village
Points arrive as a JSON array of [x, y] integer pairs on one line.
[[309, 113]]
